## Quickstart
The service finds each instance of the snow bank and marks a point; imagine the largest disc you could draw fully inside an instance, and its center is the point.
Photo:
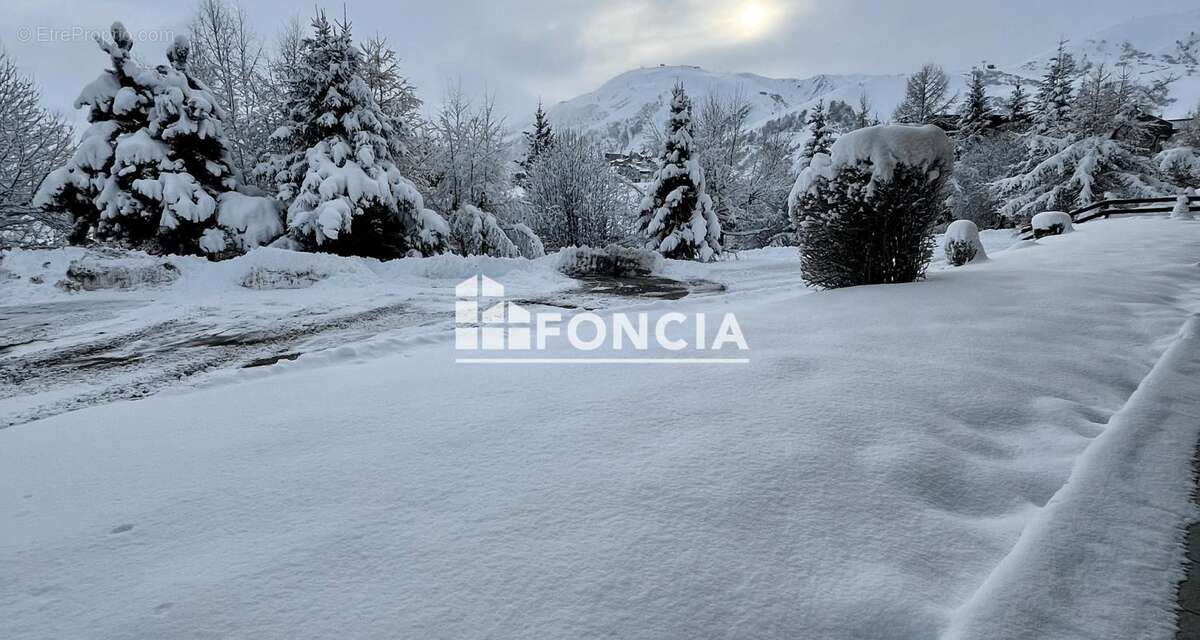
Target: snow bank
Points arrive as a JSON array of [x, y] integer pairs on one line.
[[1051, 223], [1125, 503], [613, 260]]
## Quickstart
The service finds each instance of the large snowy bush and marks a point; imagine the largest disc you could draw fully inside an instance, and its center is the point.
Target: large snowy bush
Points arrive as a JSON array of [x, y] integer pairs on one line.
[[677, 216], [867, 211], [1180, 166], [338, 179]]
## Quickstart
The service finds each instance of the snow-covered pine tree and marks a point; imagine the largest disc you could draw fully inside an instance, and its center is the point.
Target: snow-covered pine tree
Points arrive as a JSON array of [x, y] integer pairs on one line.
[[820, 137], [476, 232], [1054, 96], [343, 191], [1018, 108], [976, 111], [539, 140], [118, 103], [677, 217], [188, 121]]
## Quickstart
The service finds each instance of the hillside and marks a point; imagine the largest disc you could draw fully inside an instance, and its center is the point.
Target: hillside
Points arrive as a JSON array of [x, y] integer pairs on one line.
[[1157, 46]]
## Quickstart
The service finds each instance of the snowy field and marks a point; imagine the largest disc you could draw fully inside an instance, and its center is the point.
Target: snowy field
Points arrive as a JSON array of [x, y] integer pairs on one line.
[[1000, 451]]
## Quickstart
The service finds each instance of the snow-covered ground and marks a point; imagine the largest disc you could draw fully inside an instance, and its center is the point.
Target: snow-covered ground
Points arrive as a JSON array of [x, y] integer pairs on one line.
[[1000, 451]]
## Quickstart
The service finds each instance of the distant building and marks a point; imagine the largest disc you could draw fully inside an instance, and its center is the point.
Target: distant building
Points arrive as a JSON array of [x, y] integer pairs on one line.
[[635, 166]]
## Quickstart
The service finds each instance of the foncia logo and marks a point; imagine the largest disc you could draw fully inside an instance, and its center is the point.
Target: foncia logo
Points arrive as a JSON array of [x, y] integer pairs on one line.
[[489, 329]]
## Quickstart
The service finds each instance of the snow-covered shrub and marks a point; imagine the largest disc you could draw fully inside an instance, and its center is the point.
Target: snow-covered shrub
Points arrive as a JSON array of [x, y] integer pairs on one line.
[[677, 216], [474, 232], [526, 241], [613, 260], [338, 177], [1183, 206], [962, 243], [244, 222], [866, 212], [1051, 223], [1180, 166]]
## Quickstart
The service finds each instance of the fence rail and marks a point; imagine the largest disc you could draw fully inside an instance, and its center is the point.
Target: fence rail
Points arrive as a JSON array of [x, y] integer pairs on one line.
[[1121, 206]]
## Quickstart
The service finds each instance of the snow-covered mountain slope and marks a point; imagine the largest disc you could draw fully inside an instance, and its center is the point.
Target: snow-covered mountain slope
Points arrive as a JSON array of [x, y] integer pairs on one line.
[[1153, 47], [619, 110]]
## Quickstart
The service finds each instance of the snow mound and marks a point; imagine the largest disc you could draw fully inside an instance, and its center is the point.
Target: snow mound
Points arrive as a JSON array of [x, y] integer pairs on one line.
[[252, 221], [613, 260], [94, 272], [1051, 223]]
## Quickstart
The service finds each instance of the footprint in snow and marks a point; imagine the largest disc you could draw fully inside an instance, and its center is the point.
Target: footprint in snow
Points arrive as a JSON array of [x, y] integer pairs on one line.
[[121, 528]]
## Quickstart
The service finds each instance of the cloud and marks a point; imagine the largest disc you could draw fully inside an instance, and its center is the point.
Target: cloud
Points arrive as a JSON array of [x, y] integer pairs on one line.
[[556, 49]]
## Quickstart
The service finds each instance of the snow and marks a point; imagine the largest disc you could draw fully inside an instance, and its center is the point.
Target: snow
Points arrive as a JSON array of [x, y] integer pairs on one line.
[[965, 469], [1047, 220], [886, 146]]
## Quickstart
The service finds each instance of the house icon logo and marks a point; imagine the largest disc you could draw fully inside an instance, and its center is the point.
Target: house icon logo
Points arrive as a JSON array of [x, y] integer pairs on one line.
[[485, 321]]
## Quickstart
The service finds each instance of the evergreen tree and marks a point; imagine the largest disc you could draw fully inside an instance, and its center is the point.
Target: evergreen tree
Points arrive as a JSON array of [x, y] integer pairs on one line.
[[677, 215], [1018, 107], [393, 92], [976, 112], [341, 186], [1055, 95], [820, 137], [156, 157], [539, 140], [117, 103]]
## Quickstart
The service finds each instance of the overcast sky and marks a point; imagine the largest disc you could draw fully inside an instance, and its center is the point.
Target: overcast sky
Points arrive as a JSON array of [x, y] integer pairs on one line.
[[557, 49]]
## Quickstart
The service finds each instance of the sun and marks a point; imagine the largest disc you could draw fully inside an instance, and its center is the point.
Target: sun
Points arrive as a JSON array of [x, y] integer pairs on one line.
[[752, 19]]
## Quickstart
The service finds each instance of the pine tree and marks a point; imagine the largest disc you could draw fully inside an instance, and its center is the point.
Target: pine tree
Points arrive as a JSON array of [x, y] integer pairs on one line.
[[1018, 107], [677, 215], [393, 92], [1054, 96], [188, 120], [539, 140], [976, 111], [820, 137], [343, 191], [117, 104]]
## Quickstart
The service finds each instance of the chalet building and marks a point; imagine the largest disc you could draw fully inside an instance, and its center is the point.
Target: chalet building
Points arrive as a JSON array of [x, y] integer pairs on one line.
[[637, 167]]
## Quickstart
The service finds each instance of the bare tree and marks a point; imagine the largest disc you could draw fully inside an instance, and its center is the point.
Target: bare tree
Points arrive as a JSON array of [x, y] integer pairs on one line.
[[230, 58], [33, 142], [723, 143], [470, 154], [575, 197], [926, 95]]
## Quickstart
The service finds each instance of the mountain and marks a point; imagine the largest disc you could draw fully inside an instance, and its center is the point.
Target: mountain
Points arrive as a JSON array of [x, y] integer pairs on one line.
[[620, 109]]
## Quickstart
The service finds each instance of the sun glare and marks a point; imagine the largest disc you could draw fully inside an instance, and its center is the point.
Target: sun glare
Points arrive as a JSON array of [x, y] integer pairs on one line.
[[752, 19]]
